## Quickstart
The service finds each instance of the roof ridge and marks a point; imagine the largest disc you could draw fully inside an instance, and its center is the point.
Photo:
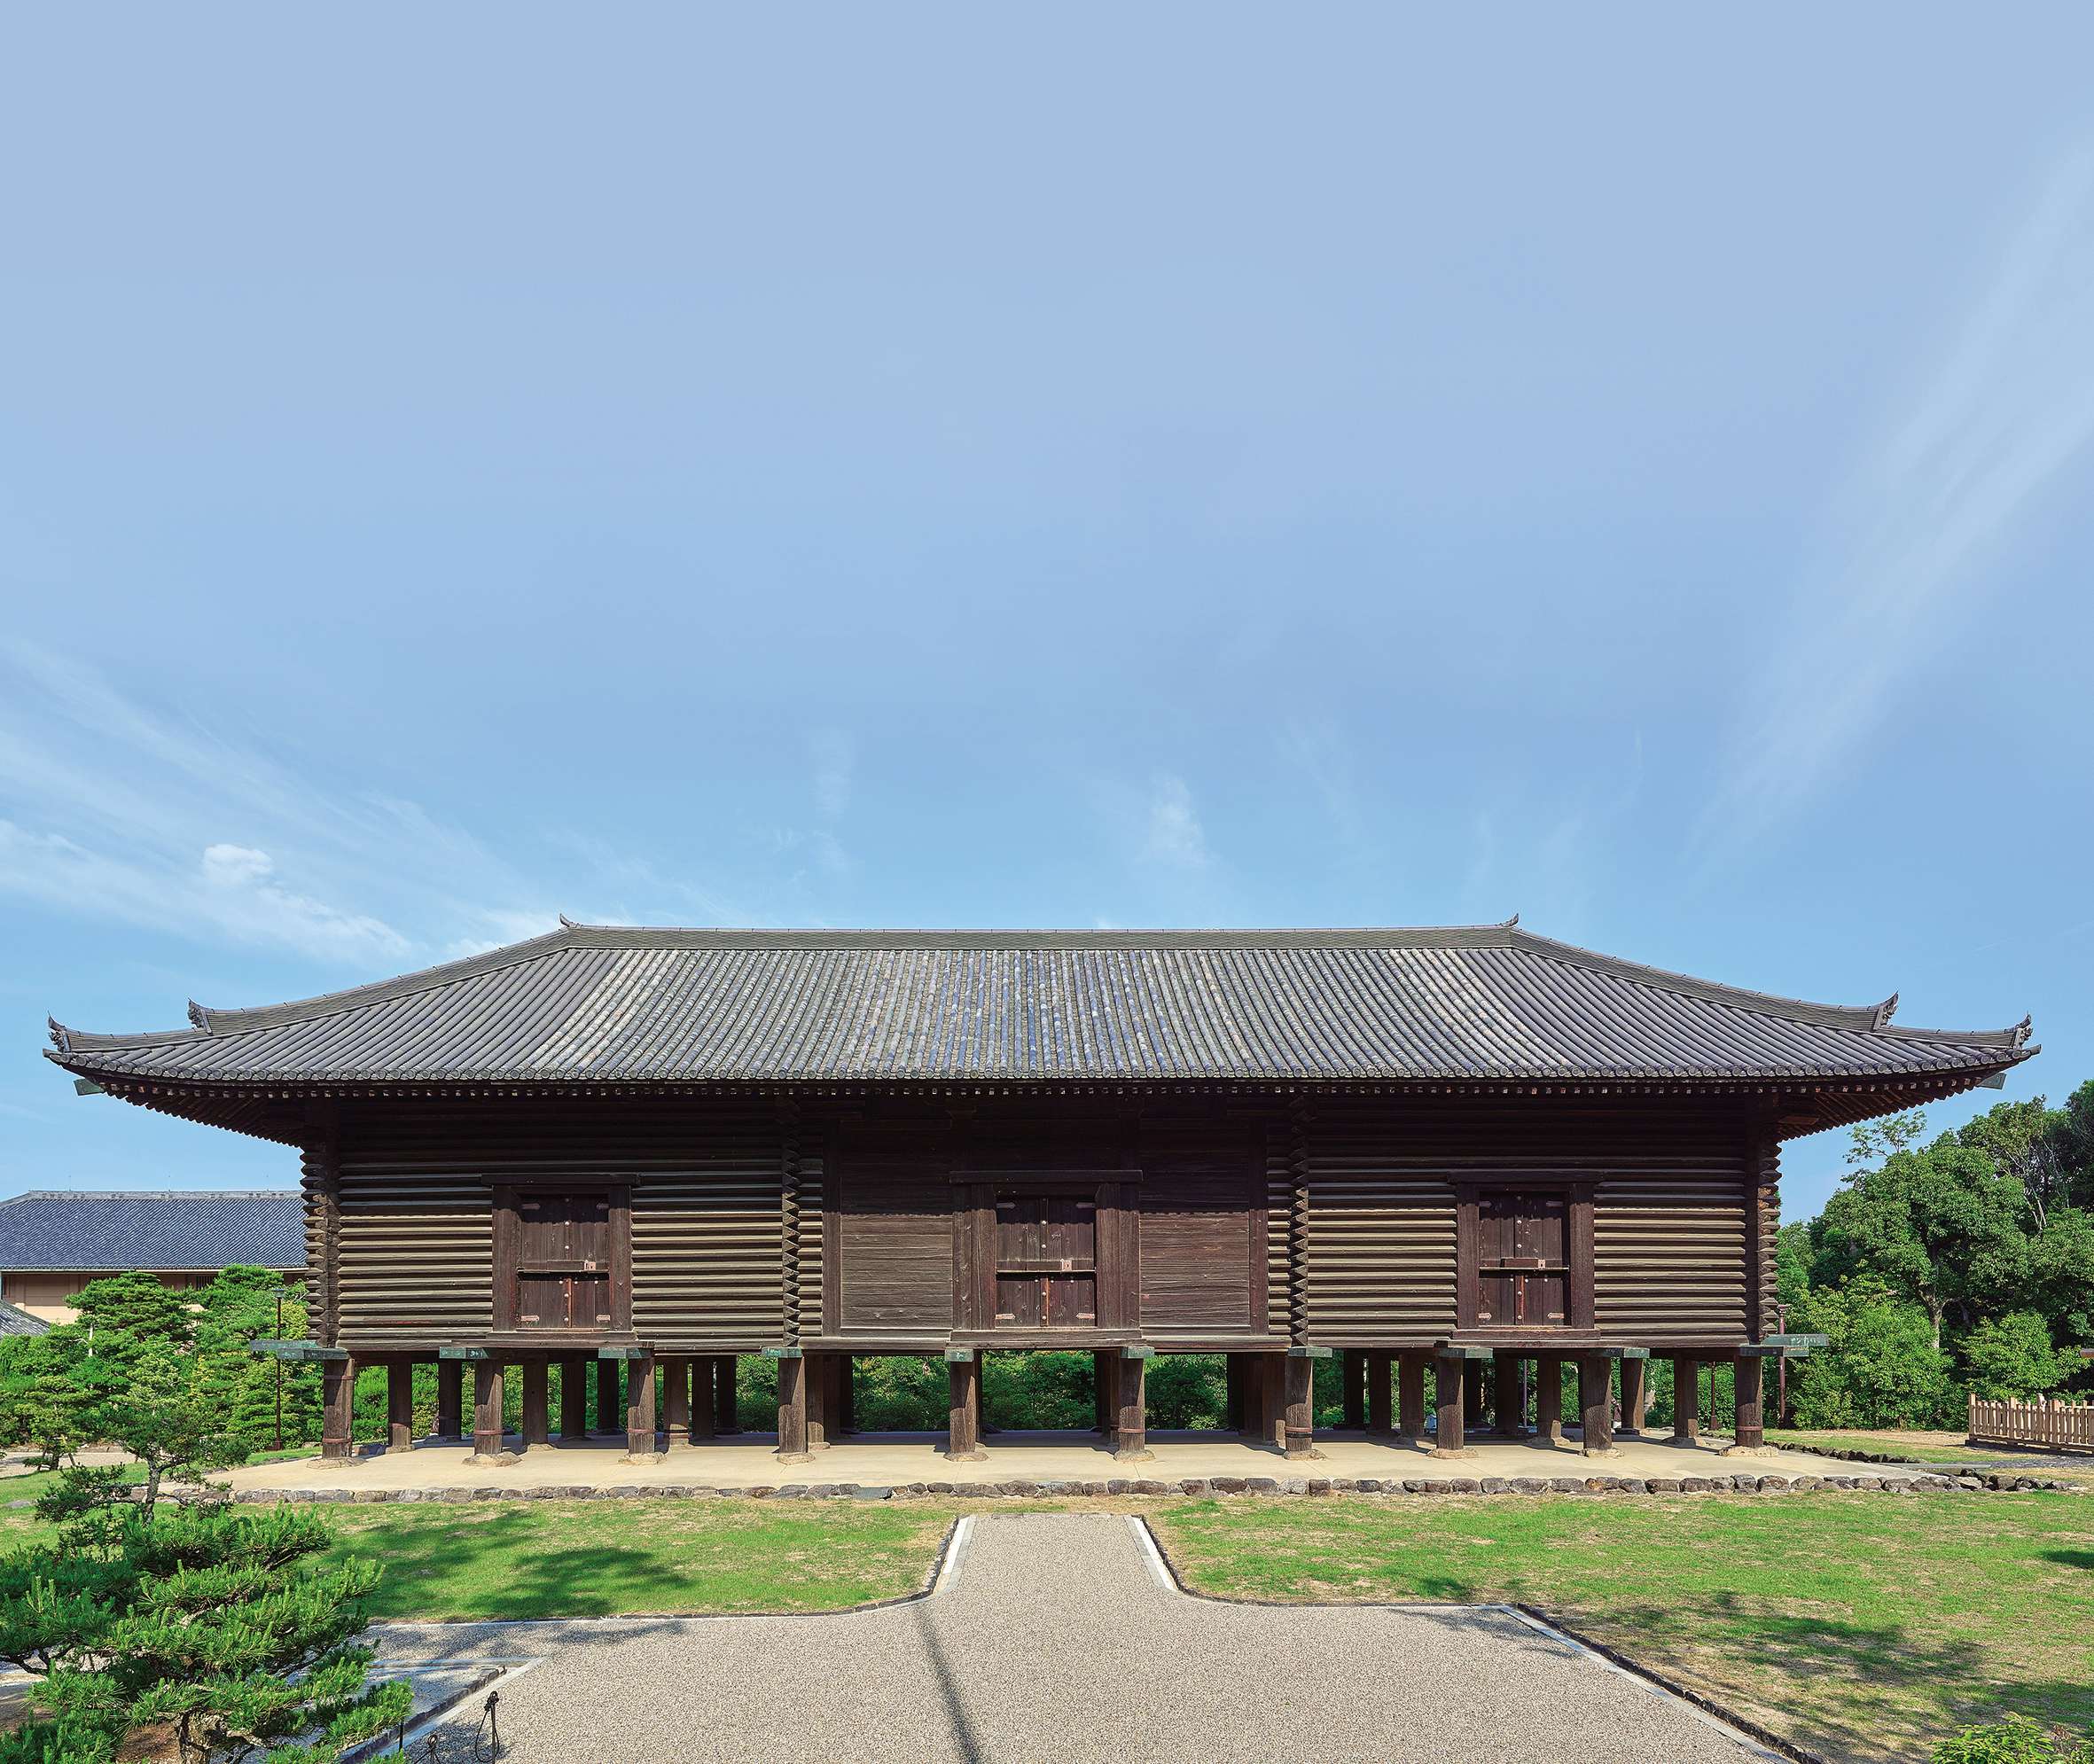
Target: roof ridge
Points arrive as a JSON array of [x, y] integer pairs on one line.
[[206, 1024]]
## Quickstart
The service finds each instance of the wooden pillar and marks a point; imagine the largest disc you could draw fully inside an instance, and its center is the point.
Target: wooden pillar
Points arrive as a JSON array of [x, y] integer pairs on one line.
[[639, 1407], [817, 1411], [1380, 1425], [1752, 1385], [337, 1388], [1411, 1397], [1356, 1387], [793, 1409], [1300, 1441], [537, 1409], [450, 1399], [1548, 1399], [487, 1387], [726, 1410], [817, 1402], [1130, 1430], [1508, 1412], [703, 1388], [963, 1424], [1449, 1373], [610, 1411], [1251, 1395], [1104, 1393], [400, 1405], [1596, 1397], [574, 1397], [1472, 1373], [1634, 1386], [1686, 1401], [677, 1400]]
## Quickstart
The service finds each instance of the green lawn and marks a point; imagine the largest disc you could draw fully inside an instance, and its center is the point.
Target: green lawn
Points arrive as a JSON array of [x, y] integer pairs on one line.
[[1864, 1626], [599, 1559]]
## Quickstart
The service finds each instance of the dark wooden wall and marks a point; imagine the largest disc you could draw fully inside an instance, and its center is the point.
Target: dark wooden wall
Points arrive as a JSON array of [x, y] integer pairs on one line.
[[1245, 1218]]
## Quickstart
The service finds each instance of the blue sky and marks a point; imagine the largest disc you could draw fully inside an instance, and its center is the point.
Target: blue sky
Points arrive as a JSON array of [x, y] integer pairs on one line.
[[930, 468]]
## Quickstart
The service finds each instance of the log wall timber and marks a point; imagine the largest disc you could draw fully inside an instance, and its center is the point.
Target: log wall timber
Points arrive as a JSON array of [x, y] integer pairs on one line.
[[1247, 1219], [415, 1257], [707, 1240], [1669, 1248]]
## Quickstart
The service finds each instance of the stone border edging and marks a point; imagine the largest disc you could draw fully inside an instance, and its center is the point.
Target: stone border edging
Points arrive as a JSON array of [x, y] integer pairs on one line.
[[1196, 1487], [1745, 1724]]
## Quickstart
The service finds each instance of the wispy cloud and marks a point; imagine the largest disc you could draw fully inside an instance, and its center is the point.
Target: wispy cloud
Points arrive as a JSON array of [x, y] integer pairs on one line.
[[1173, 834], [115, 810], [2009, 407]]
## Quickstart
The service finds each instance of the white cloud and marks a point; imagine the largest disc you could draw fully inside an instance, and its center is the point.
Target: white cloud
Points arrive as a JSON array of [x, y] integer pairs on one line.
[[2009, 407], [1173, 835]]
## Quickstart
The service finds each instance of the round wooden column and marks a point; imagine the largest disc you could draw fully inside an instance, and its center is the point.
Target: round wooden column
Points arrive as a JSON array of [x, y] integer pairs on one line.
[[338, 1385], [574, 1397], [1450, 1376], [1548, 1402], [610, 1410], [1411, 1397], [1380, 1424], [1130, 1431], [399, 1404], [450, 1399], [963, 1435], [1301, 1413], [1686, 1401], [488, 1391], [537, 1418], [1596, 1398]]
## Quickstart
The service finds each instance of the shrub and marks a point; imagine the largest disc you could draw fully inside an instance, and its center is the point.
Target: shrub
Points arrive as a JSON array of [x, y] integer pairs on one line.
[[2016, 1740]]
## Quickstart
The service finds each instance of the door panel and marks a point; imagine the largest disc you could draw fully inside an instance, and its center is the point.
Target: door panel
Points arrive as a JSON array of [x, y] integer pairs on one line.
[[1522, 1258], [1046, 1261], [563, 1261]]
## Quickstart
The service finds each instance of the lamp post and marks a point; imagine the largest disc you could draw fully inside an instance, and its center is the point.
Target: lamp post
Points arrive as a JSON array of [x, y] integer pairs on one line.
[[279, 1369]]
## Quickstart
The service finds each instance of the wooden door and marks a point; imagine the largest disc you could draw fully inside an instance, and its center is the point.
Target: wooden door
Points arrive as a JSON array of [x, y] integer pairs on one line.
[[1046, 1261], [563, 1261], [1522, 1257]]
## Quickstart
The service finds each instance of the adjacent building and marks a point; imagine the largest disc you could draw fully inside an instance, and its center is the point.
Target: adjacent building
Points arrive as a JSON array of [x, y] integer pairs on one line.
[[52, 1243], [1458, 1149]]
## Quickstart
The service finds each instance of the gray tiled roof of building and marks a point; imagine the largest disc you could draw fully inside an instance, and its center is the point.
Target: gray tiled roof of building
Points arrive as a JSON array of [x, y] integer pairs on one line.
[[16, 1320], [616, 1004], [158, 1229]]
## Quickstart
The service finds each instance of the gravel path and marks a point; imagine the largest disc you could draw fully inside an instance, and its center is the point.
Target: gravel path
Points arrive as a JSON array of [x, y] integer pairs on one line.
[[1056, 1635]]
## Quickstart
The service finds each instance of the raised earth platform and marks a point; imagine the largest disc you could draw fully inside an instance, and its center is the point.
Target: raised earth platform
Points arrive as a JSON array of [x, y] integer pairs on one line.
[[896, 1460]]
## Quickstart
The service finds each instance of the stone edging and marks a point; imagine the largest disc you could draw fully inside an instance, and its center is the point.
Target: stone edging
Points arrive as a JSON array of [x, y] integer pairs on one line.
[[1197, 1487]]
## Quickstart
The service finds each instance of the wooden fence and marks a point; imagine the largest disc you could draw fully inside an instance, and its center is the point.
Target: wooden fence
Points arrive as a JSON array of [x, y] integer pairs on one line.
[[2068, 1426]]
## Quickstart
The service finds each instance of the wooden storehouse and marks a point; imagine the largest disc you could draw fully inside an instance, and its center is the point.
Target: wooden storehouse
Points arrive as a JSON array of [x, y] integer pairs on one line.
[[1460, 1146]]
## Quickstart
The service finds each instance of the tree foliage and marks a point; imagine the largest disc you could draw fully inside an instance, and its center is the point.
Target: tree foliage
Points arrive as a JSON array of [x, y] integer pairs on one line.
[[1965, 1262], [212, 1626]]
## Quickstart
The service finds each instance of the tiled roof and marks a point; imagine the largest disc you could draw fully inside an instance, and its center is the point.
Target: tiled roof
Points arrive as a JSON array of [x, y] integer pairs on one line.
[[16, 1320], [159, 1230], [608, 1005]]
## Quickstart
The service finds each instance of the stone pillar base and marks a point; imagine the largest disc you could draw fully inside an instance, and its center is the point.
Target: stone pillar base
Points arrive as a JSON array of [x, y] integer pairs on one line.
[[491, 1460], [1601, 1452], [1143, 1456], [1750, 1452], [976, 1456], [787, 1458], [1303, 1452], [642, 1457], [1453, 1452]]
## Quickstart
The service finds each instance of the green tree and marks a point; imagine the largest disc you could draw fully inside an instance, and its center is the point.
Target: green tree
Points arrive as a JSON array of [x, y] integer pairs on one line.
[[2012, 1356], [126, 1313], [210, 1624], [1939, 1224], [1882, 1368]]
